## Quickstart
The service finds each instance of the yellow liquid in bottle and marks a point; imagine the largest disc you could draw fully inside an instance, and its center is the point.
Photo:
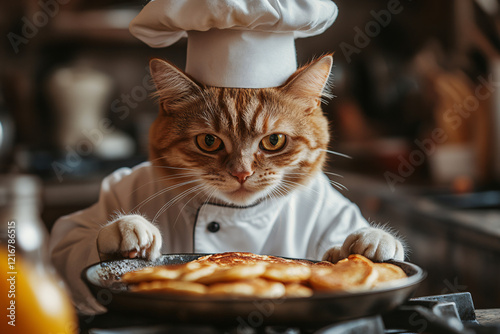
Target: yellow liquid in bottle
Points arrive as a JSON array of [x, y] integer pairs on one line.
[[32, 300]]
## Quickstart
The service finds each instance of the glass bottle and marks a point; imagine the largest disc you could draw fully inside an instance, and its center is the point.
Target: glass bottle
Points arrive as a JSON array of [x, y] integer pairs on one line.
[[33, 298]]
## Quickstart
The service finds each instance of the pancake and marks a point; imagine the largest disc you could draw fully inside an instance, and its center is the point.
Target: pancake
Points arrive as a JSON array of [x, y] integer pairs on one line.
[[234, 273], [195, 273], [229, 259], [282, 272], [323, 264], [244, 274], [241, 288], [388, 274], [171, 287], [352, 274], [258, 287], [294, 290], [268, 289], [190, 271], [159, 273]]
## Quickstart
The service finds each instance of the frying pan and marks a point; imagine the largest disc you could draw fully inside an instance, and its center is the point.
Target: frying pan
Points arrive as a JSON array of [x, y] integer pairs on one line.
[[103, 280]]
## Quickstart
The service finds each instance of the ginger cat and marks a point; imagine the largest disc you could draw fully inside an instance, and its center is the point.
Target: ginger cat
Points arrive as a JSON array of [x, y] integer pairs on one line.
[[239, 147]]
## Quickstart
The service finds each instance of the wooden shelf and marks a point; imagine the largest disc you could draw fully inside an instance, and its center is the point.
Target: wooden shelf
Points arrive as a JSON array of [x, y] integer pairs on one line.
[[97, 25]]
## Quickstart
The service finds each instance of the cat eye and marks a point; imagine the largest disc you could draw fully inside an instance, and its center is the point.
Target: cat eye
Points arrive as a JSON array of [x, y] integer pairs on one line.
[[209, 143], [273, 142]]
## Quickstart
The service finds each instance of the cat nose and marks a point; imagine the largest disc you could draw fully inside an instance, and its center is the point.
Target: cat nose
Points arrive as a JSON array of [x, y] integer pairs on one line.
[[242, 176]]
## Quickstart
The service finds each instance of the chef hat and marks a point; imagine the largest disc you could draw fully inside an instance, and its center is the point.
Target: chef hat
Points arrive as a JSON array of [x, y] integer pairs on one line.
[[235, 43]]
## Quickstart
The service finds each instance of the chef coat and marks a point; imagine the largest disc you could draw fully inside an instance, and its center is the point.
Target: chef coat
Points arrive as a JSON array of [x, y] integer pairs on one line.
[[303, 224]]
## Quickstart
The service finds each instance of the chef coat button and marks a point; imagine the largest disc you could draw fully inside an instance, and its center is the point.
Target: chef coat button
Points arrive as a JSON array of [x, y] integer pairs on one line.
[[213, 227]]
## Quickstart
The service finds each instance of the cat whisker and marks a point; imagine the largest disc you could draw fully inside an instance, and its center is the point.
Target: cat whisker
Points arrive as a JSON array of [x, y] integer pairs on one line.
[[213, 196], [281, 190], [151, 160], [179, 168], [170, 167], [179, 197], [179, 174], [338, 185], [295, 176], [159, 158], [291, 183], [161, 192], [299, 173], [182, 195], [273, 193], [336, 153], [166, 178], [295, 173], [187, 202], [334, 174], [270, 196], [288, 187], [209, 197]]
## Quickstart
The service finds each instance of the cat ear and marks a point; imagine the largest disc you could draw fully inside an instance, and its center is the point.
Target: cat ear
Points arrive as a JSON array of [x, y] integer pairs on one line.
[[172, 84], [311, 81]]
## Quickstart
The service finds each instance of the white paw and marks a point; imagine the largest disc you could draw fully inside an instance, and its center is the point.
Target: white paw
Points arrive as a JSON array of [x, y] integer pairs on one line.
[[373, 243], [131, 236]]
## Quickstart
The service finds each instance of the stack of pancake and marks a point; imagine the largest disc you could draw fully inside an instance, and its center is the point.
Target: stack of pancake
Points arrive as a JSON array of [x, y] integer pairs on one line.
[[251, 275]]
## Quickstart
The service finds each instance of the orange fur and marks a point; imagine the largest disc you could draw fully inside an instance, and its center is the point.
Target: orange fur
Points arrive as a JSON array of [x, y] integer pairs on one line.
[[241, 118]]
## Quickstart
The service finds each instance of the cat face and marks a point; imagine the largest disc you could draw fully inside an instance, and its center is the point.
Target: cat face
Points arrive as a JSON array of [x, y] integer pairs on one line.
[[239, 145]]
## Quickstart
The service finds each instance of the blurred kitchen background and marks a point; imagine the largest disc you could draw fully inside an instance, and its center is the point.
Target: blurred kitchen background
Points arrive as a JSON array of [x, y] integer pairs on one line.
[[417, 107]]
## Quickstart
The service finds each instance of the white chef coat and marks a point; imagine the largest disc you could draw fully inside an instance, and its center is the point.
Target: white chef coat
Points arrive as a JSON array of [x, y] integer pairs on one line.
[[304, 224]]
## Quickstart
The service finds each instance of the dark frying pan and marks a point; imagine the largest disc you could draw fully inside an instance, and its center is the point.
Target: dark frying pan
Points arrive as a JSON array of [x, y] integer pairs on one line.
[[103, 280]]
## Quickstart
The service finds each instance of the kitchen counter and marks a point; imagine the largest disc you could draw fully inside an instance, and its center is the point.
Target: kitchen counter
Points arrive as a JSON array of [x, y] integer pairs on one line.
[[488, 316], [421, 199]]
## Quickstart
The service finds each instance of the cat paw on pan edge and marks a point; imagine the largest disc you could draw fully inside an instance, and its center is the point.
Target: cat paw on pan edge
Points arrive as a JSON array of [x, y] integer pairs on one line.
[[131, 236], [373, 243]]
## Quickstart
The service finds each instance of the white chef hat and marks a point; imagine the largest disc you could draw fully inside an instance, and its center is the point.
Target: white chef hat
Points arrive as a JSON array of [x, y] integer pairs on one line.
[[235, 43]]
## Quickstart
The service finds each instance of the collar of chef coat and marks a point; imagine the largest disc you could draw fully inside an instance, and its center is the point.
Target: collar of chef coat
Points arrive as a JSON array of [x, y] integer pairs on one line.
[[239, 228]]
